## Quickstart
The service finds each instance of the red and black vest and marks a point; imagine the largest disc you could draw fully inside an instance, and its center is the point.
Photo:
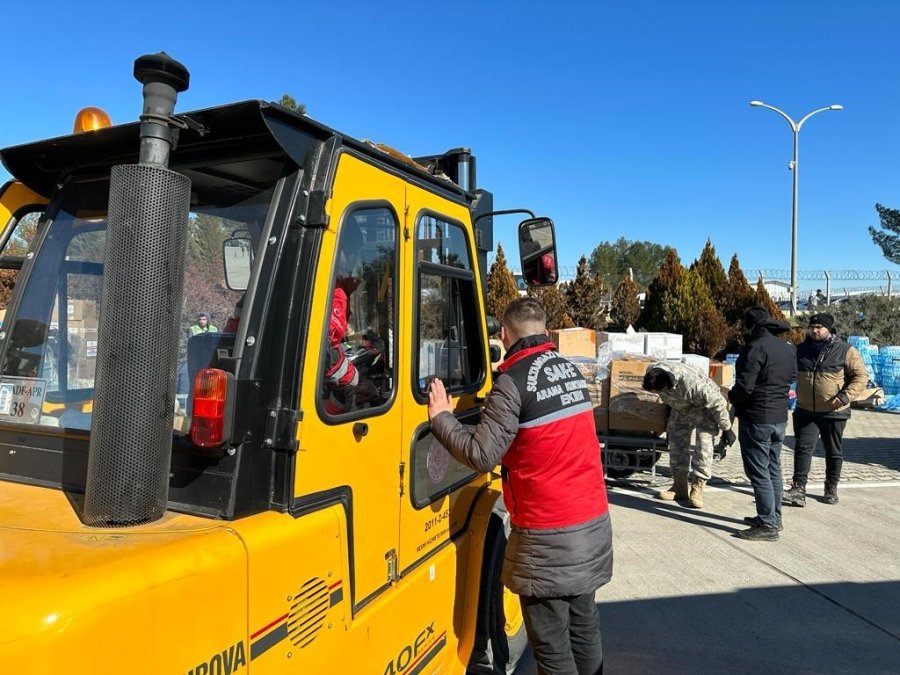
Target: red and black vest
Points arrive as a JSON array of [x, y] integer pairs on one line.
[[552, 472]]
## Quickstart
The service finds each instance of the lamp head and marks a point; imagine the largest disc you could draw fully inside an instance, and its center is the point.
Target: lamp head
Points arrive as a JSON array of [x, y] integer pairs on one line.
[[756, 103], [836, 106]]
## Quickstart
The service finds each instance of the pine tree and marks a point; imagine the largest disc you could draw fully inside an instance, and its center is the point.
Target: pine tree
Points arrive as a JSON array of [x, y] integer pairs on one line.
[[584, 298], [888, 240], [762, 298], [501, 286], [289, 101], [653, 316], [710, 269], [739, 295], [553, 298], [21, 238], [690, 311], [625, 306]]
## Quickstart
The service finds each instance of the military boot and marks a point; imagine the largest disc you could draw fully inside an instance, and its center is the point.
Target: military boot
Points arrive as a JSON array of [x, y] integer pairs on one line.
[[695, 501], [679, 489], [831, 493], [796, 496]]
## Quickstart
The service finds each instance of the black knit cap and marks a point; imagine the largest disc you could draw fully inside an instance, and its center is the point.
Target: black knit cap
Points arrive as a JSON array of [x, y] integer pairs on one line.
[[822, 320], [754, 316]]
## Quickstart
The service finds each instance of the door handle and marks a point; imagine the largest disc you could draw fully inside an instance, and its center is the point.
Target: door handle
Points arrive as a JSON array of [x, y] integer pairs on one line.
[[360, 429]]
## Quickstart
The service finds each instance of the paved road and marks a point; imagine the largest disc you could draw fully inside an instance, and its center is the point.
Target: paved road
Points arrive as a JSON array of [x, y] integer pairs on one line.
[[871, 453], [689, 597]]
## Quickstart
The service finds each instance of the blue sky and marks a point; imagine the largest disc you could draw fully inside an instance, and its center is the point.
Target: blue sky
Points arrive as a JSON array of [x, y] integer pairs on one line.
[[614, 118]]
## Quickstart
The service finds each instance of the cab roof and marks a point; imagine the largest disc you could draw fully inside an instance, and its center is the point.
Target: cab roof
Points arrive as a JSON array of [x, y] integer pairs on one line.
[[241, 132]]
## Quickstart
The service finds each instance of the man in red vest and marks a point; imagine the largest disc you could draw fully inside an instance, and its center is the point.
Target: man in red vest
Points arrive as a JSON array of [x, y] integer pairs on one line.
[[538, 423]]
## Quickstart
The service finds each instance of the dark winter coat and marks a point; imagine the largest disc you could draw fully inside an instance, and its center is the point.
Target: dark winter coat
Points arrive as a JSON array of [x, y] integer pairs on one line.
[[764, 371], [538, 422]]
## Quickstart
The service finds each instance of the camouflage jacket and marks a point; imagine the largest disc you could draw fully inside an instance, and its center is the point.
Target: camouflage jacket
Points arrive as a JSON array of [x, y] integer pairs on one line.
[[695, 399]]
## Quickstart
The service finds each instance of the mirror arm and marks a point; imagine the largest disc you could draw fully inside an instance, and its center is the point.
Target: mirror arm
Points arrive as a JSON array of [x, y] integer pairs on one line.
[[502, 213]]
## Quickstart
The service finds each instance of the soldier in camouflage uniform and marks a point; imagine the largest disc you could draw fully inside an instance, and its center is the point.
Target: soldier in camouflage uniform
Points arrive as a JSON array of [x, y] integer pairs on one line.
[[697, 404]]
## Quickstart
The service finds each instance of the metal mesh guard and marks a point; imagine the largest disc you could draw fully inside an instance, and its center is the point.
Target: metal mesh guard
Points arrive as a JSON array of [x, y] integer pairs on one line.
[[137, 346]]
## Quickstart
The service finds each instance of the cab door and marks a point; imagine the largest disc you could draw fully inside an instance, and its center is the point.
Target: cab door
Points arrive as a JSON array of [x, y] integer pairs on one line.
[[448, 338], [350, 435]]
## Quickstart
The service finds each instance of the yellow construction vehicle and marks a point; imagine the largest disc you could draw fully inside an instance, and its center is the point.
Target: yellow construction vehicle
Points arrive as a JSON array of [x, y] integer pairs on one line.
[[257, 491]]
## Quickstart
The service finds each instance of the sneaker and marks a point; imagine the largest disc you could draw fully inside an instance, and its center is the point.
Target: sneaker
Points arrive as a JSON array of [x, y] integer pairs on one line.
[[758, 533], [796, 496], [831, 493], [754, 520]]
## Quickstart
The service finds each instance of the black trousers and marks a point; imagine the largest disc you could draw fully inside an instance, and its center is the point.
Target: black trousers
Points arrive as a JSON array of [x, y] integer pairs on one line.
[[564, 634], [807, 429]]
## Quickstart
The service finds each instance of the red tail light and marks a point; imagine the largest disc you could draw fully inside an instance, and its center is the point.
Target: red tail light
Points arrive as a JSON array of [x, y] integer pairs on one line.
[[209, 410]]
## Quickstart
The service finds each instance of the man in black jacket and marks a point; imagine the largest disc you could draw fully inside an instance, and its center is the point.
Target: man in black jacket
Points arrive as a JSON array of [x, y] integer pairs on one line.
[[764, 371]]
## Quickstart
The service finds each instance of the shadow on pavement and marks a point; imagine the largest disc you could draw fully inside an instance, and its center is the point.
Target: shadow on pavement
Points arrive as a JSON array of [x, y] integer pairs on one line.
[[701, 517], [829, 628]]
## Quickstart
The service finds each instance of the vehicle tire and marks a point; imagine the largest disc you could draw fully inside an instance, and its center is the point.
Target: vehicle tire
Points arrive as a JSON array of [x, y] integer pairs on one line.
[[619, 463], [648, 460], [500, 639]]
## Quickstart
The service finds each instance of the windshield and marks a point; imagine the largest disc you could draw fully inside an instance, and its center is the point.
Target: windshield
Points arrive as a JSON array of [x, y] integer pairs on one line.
[[47, 377]]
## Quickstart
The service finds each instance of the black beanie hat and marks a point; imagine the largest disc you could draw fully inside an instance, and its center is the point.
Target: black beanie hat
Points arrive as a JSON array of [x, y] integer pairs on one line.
[[822, 320], [754, 316]]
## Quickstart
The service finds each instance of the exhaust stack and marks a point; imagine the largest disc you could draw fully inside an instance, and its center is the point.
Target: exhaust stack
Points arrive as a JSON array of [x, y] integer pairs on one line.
[[130, 449]]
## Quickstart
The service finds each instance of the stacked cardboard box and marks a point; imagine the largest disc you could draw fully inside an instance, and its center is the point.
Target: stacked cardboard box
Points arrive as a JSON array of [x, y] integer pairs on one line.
[[622, 343], [722, 374], [701, 363], [575, 341], [620, 403], [630, 407], [663, 345]]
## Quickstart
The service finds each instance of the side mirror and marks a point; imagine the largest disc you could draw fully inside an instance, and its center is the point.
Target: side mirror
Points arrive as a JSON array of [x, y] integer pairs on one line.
[[537, 252], [493, 326], [495, 354], [237, 257]]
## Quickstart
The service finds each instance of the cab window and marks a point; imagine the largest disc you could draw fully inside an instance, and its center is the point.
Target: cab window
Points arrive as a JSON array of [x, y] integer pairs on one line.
[[448, 331], [48, 371], [359, 368]]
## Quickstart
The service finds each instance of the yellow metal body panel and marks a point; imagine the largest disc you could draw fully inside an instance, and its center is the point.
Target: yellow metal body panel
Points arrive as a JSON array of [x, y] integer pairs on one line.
[[86, 600], [13, 197], [329, 455]]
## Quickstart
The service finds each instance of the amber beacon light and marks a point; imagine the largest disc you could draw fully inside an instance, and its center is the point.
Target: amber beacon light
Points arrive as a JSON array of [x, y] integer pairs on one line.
[[91, 119]]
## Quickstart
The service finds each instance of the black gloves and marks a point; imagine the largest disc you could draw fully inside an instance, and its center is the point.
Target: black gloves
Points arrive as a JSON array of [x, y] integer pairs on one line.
[[728, 438]]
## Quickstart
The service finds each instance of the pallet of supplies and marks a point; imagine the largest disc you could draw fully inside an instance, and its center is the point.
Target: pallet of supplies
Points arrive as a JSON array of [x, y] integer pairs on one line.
[[630, 407]]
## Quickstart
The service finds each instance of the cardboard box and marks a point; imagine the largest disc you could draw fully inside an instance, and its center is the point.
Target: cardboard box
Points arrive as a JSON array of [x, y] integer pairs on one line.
[[630, 407], [621, 343], [701, 363], [638, 411], [626, 375], [663, 345], [722, 373], [575, 341]]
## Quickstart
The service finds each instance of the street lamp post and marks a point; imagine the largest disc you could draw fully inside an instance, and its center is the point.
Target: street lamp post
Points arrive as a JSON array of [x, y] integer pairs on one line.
[[795, 128]]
